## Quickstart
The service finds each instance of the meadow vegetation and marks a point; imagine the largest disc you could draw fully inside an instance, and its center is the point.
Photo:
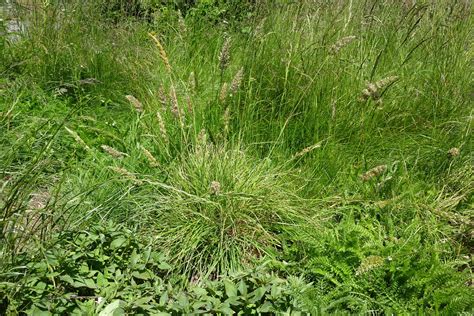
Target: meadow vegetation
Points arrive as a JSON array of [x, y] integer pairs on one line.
[[252, 157]]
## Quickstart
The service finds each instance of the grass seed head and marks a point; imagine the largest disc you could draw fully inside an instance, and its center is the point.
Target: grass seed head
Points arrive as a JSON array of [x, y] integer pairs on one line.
[[162, 97], [215, 187], [372, 90], [237, 80], [113, 152], [151, 159], [454, 152], [181, 23], [192, 82], [162, 126], [374, 172], [226, 119], [127, 174], [307, 150], [174, 102], [77, 138], [341, 43], [135, 103], [224, 92], [162, 52], [224, 55]]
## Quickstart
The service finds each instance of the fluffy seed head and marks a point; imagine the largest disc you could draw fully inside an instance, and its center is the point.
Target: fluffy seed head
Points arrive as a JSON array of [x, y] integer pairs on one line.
[[162, 52], [181, 22], [113, 152], [226, 120], [224, 55], [174, 102], [374, 172], [162, 97], [77, 138], [135, 103], [235, 85], [341, 43], [224, 92], [151, 159], [308, 149], [189, 103], [161, 124], [372, 90], [192, 82], [454, 152], [215, 187], [127, 174]]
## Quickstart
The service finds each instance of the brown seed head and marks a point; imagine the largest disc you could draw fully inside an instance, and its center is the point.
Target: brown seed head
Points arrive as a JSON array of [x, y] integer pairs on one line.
[[162, 52], [77, 138], [161, 124], [151, 159], [215, 187], [374, 172], [341, 43], [224, 92], [454, 152], [235, 85], [307, 150], [224, 55], [162, 97], [135, 103], [113, 152]]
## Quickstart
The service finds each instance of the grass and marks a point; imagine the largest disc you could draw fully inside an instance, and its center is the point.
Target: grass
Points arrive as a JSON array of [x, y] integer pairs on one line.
[[330, 139]]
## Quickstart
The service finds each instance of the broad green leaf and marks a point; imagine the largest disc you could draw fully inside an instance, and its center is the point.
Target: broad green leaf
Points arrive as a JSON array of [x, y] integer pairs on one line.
[[257, 295], [113, 309], [118, 242], [230, 288]]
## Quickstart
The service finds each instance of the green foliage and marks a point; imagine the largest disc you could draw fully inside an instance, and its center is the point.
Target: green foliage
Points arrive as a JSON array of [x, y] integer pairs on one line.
[[222, 208], [329, 137], [107, 270]]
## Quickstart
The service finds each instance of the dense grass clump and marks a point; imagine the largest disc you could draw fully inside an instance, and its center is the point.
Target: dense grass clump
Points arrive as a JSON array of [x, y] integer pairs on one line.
[[224, 157], [224, 207]]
